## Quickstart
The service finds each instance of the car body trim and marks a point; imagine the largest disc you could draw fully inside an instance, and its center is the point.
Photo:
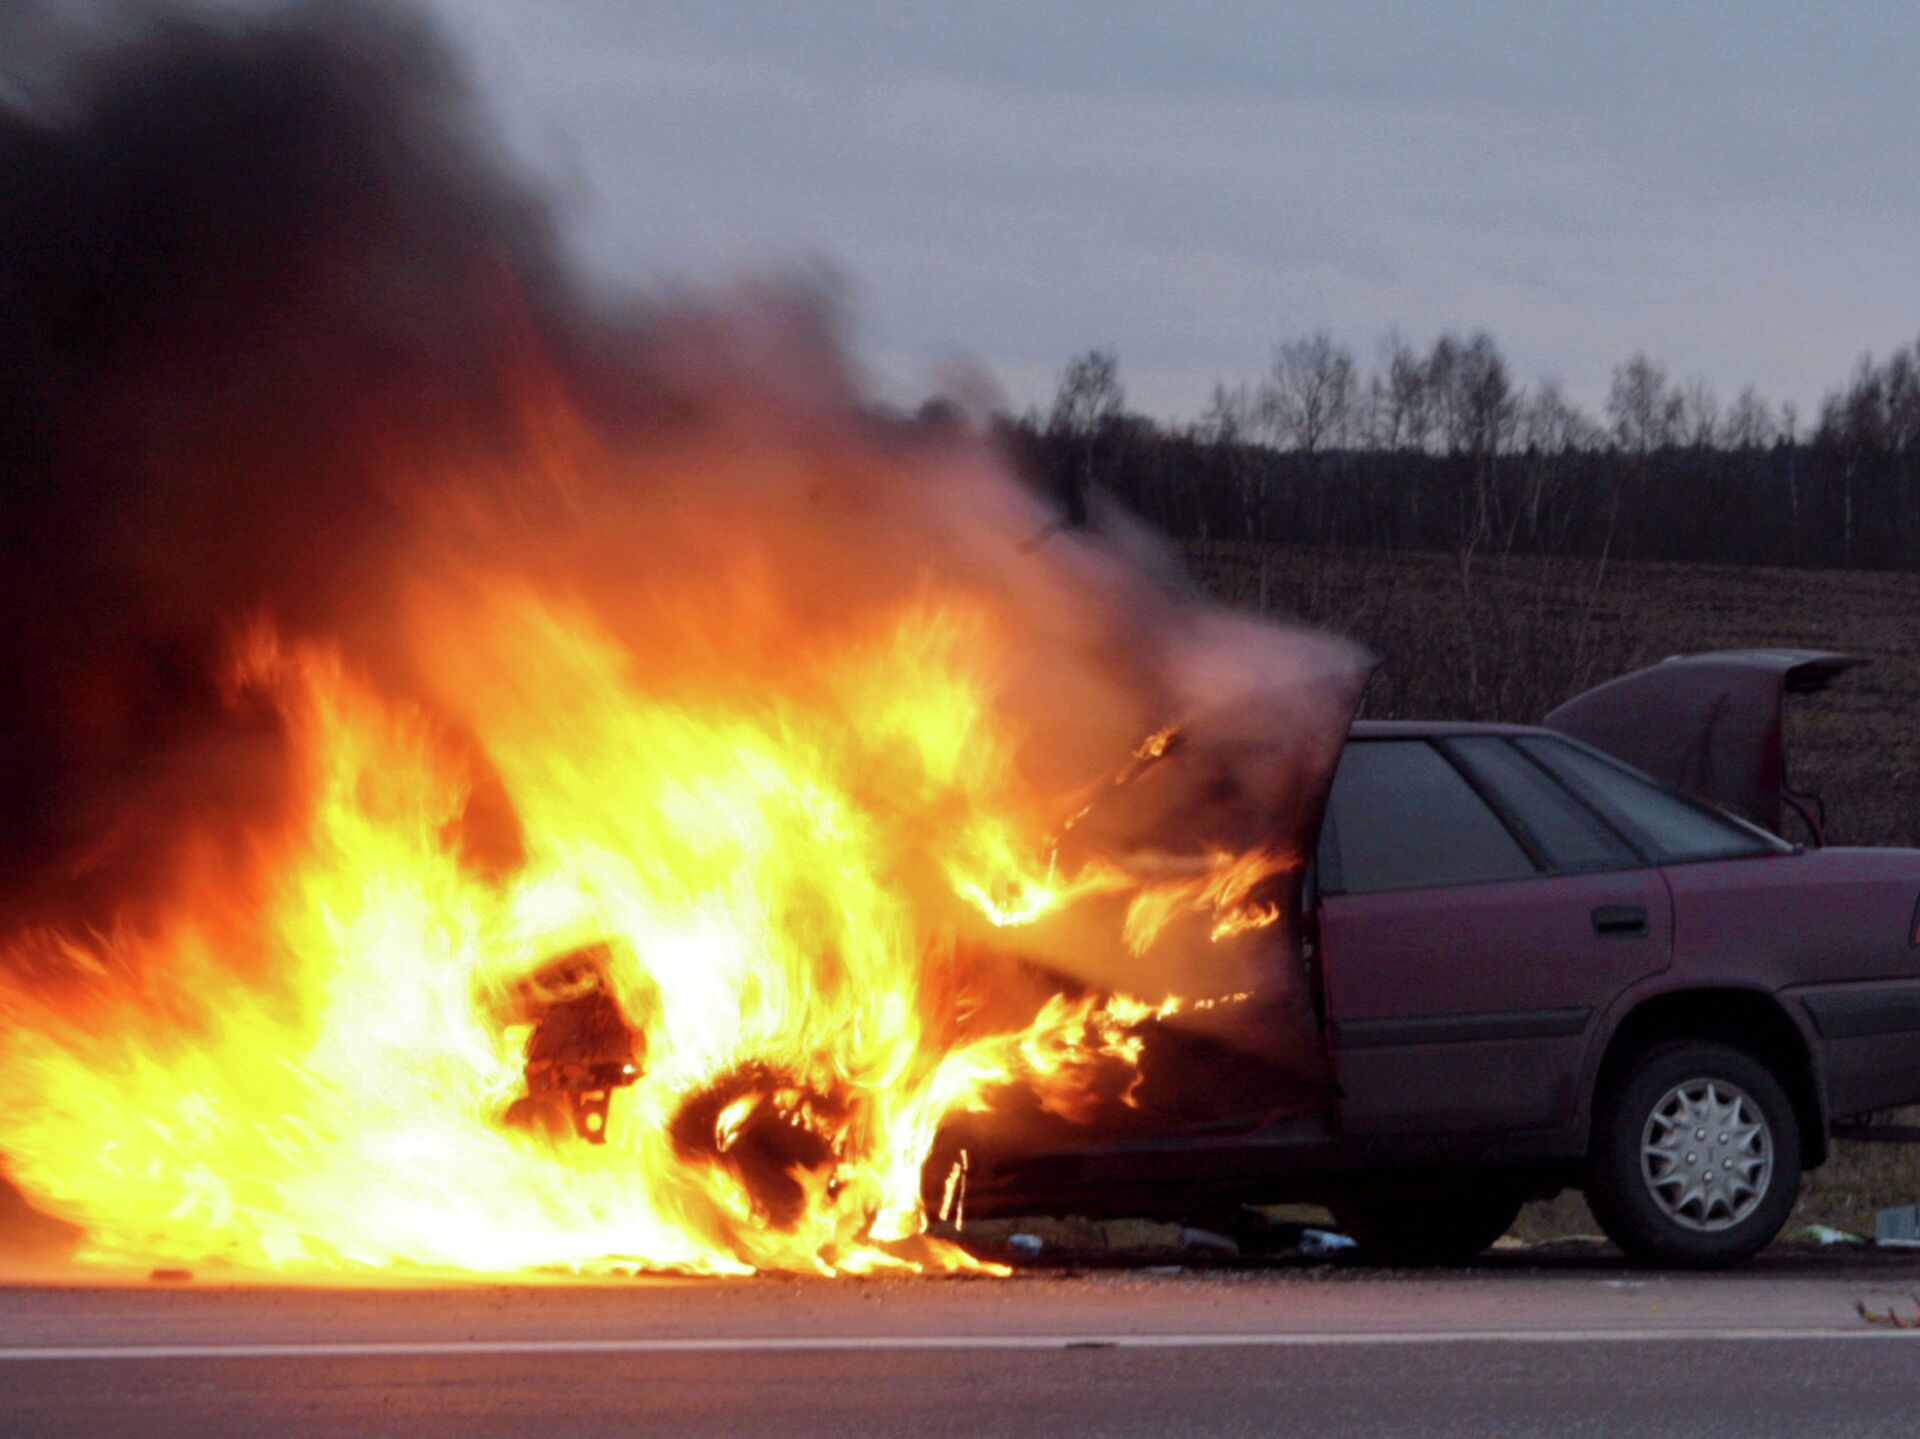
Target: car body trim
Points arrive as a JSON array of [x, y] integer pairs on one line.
[[1864, 1013], [1463, 1028]]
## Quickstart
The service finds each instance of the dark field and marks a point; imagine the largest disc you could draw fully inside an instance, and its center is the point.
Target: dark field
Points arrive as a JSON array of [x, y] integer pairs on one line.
[[1510, 637]]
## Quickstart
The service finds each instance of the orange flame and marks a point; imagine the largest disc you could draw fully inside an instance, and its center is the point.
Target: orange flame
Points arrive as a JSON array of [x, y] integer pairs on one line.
[[305, 1068], [711, 1010]]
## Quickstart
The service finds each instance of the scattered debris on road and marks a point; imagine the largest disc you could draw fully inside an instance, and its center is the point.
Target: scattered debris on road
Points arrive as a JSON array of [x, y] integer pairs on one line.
[[1326, 1241], [1890, 1316], [1826, 1234], [1205, 1241]]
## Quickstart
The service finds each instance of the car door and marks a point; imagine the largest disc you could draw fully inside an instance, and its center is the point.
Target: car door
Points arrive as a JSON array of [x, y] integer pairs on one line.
[[1475, 919]]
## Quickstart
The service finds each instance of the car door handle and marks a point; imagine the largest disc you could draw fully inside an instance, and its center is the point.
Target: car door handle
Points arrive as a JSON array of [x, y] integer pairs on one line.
[[1625, 921]]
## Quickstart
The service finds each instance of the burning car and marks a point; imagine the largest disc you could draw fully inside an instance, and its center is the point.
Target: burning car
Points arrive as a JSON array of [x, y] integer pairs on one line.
[[1537, 965], [495, 779]]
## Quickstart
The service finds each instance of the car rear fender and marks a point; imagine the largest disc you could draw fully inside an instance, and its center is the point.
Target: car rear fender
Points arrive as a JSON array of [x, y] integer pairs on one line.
[[1667, 1007]]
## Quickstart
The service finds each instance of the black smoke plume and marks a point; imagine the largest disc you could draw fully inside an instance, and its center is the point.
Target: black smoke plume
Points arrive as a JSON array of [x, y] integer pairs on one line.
[[245, 267]]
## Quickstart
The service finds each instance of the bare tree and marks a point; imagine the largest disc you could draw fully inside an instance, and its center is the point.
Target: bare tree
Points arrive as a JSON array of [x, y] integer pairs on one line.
[[1551, 424], [1399, 401], [1790, 436], [1697, 415], [1229, 422], [1440, 447], [1308, 397], [1443, 388], [1643, 407], [1750, 424], [1859, 415], [1089, 397], [1484, 398], [1856, 425], [1471, 394], [1549, 427], [1086, 406], [1902, 382], [1228, 418]]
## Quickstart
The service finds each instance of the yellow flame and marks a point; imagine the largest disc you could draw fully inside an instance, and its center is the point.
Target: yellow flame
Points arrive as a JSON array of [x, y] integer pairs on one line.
[[304, 1065]]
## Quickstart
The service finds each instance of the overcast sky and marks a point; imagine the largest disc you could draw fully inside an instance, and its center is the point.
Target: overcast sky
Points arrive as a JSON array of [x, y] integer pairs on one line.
[[1730, 185]]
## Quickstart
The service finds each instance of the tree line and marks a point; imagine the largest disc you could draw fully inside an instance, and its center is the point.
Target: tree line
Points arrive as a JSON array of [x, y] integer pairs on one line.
[[1442, 449]]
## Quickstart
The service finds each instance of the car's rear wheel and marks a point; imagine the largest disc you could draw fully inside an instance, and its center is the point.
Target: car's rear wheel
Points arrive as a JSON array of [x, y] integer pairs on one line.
[[1422, 1228], [1695, 1160]]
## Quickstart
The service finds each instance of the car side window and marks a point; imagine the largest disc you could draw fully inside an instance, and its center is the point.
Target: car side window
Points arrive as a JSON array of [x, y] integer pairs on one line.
[[1568, 832], [1400, 816], [1669, 828]]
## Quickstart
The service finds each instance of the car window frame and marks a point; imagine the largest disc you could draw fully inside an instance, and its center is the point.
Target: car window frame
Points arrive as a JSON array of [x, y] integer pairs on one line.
[[1640, 859], [1330, 873], [1770, 845]]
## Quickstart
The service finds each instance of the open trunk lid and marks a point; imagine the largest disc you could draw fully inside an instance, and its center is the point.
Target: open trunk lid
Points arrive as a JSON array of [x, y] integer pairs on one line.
[[1709, 724]]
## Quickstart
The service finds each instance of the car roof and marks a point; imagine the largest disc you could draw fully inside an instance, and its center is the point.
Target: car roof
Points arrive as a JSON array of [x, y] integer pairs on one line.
[[1421, 729]]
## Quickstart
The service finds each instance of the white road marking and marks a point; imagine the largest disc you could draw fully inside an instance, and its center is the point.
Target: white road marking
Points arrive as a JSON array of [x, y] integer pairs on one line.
[[778, 1344]]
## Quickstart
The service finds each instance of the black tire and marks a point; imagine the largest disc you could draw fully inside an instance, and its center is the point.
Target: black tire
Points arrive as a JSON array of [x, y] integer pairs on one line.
[[1424, 1228], [1645, 1217]]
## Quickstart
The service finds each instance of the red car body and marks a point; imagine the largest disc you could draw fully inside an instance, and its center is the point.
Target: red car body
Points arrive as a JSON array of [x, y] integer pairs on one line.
[[1545, 987]]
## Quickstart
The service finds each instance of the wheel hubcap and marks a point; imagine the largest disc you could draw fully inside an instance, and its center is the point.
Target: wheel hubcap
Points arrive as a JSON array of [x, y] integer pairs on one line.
[[1707, 1155]]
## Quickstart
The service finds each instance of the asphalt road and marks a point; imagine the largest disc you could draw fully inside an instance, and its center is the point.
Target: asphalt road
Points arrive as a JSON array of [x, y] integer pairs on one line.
[[1514, 1349]]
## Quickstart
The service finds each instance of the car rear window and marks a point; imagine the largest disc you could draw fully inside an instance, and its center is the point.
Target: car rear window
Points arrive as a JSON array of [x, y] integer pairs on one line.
[[1400, 816], [1667, 827], [1567, 831]]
